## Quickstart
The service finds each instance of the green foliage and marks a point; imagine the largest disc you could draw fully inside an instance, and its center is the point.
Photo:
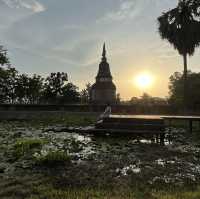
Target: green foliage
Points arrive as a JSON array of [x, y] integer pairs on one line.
[[146, 100], [53, 86], [68, 120], [69, 94], [3, 56], [28, 89], [7, 84], [72, 145], [22, 146], [53, 159], [181, 27], [176, 90], [58, 91], [85, 94], [24, 89], [20, 88], [51, 192]]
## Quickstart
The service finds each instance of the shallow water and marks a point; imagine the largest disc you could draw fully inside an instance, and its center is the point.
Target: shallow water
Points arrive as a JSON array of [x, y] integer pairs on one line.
[[114, 157]]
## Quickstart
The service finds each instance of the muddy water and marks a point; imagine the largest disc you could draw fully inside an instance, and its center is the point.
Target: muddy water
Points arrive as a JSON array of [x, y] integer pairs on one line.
[[108, 159]]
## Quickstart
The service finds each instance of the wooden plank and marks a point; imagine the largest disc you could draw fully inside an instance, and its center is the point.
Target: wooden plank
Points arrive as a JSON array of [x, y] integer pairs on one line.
[[188, 117], [156, 117]]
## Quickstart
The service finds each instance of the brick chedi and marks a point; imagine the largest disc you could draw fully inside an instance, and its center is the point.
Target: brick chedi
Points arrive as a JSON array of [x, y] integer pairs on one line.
[[104, 90]]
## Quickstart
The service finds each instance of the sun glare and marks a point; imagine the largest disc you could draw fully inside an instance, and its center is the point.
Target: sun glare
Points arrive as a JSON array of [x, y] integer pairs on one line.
[[144, 80]]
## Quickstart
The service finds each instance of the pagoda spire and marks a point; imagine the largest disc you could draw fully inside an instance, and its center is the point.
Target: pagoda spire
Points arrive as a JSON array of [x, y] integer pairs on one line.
[[104, 52]]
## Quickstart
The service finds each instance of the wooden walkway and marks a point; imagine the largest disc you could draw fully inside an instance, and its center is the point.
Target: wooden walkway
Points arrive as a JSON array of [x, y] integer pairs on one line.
[[120, 125], [189, 119]]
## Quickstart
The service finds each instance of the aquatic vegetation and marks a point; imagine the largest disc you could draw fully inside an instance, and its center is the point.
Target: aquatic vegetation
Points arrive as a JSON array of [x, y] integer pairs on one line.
[[88, 164], [23, 146], [52, 158], [128, 169]]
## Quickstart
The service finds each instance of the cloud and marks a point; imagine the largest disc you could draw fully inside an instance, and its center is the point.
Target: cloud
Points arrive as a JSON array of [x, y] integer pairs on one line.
[[32, 5], [127, 10]]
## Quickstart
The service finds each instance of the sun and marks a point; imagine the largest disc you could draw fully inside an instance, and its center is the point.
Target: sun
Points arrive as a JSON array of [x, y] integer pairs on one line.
[[143, 80]]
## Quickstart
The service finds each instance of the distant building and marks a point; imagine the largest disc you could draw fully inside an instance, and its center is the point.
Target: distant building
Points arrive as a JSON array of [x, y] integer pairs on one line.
[[104, 90]]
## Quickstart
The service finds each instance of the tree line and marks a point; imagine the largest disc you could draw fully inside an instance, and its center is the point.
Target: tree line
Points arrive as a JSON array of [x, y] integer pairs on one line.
[[16, 88], [176, 93], [176, 90]]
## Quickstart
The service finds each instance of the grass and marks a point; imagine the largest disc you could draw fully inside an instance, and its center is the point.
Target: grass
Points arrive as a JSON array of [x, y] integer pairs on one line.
[[50, 192], [39, 188], [53, 159], [22, 146], [66, 120], [72, 119]]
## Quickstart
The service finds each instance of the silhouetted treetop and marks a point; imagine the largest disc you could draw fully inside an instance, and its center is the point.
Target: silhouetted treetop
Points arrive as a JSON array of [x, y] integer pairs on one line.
[[181, 26], [3, 56]]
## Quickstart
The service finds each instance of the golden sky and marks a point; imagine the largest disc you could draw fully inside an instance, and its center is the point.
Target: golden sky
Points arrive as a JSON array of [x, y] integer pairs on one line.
[[44, 36]]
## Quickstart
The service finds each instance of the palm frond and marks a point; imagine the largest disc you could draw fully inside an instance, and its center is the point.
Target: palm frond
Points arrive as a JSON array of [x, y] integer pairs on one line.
[[180, 27]]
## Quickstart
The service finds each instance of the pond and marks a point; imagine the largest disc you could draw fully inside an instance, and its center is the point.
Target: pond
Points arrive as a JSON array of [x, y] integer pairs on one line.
[[85, 159]]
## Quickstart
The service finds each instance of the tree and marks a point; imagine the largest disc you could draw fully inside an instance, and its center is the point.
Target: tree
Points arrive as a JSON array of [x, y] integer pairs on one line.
[[11, 83], [3, 85], [176, 87], [118, 98], [53, 87], [21, 89], [35, 88], [181, 28], [29, 89], [3, 56], [85, 94], [69, 94], [7, 84], [146, 100]]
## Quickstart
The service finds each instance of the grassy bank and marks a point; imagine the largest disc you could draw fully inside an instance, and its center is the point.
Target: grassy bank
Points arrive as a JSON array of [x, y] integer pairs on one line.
[[68, 119], [38, 187]]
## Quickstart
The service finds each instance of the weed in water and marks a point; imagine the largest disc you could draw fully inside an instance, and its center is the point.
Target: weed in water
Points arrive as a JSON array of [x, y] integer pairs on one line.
[[53, 159], [22, 146]]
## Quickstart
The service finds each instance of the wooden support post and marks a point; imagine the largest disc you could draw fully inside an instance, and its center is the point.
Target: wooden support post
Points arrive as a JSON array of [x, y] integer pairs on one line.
[[157, 138], [170, 125], [190, 126], [199, 125], [162, 138]]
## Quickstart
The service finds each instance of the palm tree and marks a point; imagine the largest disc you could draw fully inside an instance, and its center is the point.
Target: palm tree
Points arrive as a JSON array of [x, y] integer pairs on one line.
[[181, 28]]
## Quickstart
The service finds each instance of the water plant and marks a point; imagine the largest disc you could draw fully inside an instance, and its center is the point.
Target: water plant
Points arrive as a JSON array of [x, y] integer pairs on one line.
[[22, 146], [52, 158]]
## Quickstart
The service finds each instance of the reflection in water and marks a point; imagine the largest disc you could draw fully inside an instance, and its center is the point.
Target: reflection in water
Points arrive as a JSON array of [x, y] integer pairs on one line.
[[131, 168], [122, 156]]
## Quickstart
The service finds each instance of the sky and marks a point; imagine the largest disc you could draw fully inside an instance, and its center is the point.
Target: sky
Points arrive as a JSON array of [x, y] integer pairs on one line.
[[44, 36]]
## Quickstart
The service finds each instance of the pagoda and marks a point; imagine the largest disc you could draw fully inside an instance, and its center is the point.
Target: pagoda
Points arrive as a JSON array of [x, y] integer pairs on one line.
[[103, 91]]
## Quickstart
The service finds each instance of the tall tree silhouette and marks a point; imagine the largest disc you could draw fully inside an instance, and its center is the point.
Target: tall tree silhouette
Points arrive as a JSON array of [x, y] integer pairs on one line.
[[3, 56], [181, 28]]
